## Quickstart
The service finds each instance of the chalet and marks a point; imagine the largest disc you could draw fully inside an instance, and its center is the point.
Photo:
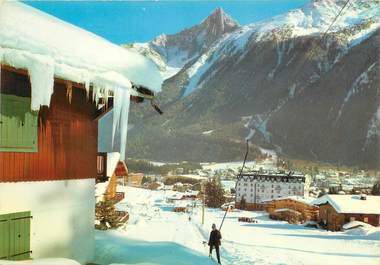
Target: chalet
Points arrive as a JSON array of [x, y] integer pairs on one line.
[[57, 81], [112, 177], [337, 210], [294, 209], [135, 179], [254, 189]]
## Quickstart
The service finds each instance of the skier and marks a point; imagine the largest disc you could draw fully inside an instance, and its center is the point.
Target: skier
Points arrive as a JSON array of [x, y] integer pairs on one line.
[[214, 241]]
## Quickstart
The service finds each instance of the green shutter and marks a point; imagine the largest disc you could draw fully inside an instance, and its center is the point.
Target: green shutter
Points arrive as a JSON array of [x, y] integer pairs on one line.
[[15, 236], [4, 236], [18, 125]]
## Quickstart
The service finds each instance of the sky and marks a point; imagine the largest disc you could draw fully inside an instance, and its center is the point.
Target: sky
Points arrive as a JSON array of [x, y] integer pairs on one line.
[[141, 21]]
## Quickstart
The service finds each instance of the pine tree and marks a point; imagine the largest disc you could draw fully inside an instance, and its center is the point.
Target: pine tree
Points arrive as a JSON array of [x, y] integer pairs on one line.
[[376, 187], [214, 193], [106, 214]]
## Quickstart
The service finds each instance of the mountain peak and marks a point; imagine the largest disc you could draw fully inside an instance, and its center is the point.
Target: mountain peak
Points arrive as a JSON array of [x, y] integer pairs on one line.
[[179, 48], [219, 22], [217, 12]]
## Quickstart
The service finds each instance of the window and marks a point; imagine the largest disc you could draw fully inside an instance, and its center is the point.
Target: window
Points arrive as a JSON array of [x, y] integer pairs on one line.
[[365, 219], [18, 124], [100, 164], [352, 218]]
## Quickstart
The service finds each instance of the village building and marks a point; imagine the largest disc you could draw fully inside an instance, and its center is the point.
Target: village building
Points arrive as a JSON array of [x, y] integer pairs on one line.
[[135, 179], [254, 189], [337, 210], [57, 81], [294, 209], [155, 185], [112, 177]]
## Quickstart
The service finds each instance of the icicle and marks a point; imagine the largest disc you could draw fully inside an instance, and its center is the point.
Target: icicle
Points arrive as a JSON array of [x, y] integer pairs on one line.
[[69, 91], [96, 94], [87, 87], [120, 117], [105, 96], [42, 82], [117, 105], [124, 123]]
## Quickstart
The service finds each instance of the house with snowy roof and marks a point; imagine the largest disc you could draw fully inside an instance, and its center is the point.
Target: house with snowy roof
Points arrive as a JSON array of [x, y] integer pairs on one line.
[[337, 210], [57, 81], [294, 209], [112, 177]]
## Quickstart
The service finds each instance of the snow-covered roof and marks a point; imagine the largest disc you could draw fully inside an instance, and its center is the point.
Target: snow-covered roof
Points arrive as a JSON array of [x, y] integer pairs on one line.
[[287, 210], [351, 203], [30, 38], [48, 47], [296, 198], [112, 160]]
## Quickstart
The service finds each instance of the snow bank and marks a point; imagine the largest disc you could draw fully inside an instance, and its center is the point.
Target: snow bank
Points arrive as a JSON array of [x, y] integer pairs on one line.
[[355, 224], [100, 189], [356, 228], [41, 262]]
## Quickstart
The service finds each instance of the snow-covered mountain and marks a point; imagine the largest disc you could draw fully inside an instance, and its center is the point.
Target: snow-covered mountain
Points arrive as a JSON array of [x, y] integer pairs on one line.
[[283, 82], [172, 52]]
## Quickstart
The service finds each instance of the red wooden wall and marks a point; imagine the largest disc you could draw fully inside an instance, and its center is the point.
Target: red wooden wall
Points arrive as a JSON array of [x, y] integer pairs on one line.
[[67, 136]]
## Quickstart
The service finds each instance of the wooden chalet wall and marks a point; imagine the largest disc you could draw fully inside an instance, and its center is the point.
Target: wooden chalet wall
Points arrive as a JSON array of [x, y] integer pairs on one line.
[[330, 218], [306, 212], [334, 221], [67, 136]]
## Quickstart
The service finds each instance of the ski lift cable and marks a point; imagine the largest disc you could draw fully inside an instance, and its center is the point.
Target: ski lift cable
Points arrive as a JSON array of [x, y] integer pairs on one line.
[[241, 170], [335, 19]]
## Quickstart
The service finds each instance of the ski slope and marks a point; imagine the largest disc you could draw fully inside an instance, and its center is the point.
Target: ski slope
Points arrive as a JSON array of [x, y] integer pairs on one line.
[[157, 235]]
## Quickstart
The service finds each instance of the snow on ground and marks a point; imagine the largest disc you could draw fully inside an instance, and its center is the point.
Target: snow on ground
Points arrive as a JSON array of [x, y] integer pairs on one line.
[[55, 261], [157, 235], [153, 235], [273, 242], [227, 165]]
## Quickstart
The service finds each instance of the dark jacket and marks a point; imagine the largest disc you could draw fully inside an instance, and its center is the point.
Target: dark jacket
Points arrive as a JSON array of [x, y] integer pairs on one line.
[[215, 238]]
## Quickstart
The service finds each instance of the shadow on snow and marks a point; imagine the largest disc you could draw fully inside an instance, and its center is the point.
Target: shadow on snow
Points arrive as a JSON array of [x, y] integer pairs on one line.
[[113, 247]]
